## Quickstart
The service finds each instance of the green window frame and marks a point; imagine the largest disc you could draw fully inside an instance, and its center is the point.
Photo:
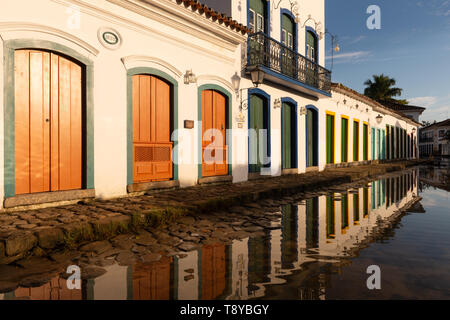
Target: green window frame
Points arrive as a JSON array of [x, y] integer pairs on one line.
[[356, 140], [344, 139], [330, 143]]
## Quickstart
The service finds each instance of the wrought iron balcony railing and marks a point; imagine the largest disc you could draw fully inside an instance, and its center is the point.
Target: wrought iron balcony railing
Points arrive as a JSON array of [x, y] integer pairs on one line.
[[426, 139], [265, 51]]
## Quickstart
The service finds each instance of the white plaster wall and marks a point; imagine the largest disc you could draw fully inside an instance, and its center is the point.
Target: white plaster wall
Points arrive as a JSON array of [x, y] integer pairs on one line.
[[213, 60], [188, 290], [113, 285]]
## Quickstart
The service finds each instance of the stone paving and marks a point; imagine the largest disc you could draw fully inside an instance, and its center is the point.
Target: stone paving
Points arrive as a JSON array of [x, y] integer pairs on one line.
[[175, 220]]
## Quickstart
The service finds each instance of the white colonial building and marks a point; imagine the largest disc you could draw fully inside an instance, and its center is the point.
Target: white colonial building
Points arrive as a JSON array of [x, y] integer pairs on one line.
[[106, 98]]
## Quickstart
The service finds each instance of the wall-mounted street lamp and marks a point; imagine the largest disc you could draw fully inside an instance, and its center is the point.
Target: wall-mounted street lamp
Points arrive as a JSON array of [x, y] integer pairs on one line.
[[277, 103], [190, 77], [379, 118], [302, 111], [257, 76]]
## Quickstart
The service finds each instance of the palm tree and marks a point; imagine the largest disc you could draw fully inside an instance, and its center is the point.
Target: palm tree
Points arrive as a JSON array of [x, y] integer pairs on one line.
[[381, 89]]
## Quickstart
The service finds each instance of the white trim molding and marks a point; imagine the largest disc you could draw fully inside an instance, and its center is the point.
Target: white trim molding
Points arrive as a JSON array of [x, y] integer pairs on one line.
[[9, 30], [208, 79], [134, 61]]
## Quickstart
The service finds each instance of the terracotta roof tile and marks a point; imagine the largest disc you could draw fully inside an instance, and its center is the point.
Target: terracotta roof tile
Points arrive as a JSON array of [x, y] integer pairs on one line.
[[214, 15]]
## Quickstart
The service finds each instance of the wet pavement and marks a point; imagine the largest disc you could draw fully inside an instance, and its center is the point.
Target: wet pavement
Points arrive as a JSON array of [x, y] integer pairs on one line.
[[307, 246]]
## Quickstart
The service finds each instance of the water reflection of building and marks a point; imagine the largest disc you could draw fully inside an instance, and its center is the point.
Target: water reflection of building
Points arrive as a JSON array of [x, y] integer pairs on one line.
[[436, 177], [329, 227], [314, 234]]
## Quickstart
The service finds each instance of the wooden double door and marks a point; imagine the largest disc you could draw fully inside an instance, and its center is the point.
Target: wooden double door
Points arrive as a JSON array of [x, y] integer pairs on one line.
[[214, 142], [48, 122], [289, 131], [152, 147], [258, 134]]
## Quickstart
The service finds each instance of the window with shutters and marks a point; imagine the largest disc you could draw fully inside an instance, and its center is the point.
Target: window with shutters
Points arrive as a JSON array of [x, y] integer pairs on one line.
[[257, 15]]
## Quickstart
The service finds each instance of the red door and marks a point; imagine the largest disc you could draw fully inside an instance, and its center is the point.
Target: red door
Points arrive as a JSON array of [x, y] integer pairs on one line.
[[214, 147], [48, 122], [152, 148]]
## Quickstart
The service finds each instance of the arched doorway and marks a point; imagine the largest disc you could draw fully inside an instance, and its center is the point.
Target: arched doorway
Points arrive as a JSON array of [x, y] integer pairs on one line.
[[289, 134], [152, 114], [49, 117], [259, 130], [312, 137], [214, 138]]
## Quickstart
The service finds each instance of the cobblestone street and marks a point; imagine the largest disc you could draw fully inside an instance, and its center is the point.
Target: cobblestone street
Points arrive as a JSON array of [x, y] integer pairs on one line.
[[203, 214]]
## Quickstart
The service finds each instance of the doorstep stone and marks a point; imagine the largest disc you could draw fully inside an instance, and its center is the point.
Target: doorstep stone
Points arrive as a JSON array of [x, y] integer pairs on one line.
[[47, 197], [217, 179], [157, 185]]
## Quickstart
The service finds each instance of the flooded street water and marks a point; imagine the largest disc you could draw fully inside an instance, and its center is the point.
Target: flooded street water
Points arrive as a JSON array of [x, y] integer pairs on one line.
[[319, 249]]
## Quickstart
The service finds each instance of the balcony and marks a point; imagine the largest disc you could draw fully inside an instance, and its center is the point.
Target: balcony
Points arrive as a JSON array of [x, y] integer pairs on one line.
[[284, 66], [426, 139]]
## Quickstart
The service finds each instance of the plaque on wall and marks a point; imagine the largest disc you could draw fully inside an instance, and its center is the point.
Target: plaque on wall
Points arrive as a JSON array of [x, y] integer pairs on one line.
[[109, 38]]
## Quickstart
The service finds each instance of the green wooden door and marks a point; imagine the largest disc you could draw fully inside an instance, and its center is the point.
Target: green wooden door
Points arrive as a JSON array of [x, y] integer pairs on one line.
[[388, 143], [330, 139], [365, 141], [257, 139], [355, 141], [288, 138], [392, 133], [378, 144], [344, 140], [288, 58], [374, 156], [311, 138], [383, 145], [311, 54]]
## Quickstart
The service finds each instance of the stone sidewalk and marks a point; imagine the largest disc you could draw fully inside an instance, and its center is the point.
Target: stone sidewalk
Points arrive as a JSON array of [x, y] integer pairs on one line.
[[38, 232]]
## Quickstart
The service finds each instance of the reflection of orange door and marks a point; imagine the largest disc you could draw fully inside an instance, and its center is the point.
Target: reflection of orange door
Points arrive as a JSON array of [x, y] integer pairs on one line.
[[48, 122], [213, 271], [56, 289], [214, 148], [152, 282], [152, 148]]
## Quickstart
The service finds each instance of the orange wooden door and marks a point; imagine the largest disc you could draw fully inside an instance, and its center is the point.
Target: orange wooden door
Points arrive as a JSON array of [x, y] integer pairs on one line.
[[48, 122], [152, 148], [214, 134]]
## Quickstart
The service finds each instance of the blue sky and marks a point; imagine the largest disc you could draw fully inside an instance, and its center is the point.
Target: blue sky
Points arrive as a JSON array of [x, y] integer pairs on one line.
[[412, 46]]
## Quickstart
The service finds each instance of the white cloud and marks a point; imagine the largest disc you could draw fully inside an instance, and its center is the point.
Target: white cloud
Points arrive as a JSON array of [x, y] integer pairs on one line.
[[423, 101], [350, 55]]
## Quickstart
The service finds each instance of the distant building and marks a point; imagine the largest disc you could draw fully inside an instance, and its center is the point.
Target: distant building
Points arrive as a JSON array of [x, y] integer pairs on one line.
[[412, 112], [433, 140]]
